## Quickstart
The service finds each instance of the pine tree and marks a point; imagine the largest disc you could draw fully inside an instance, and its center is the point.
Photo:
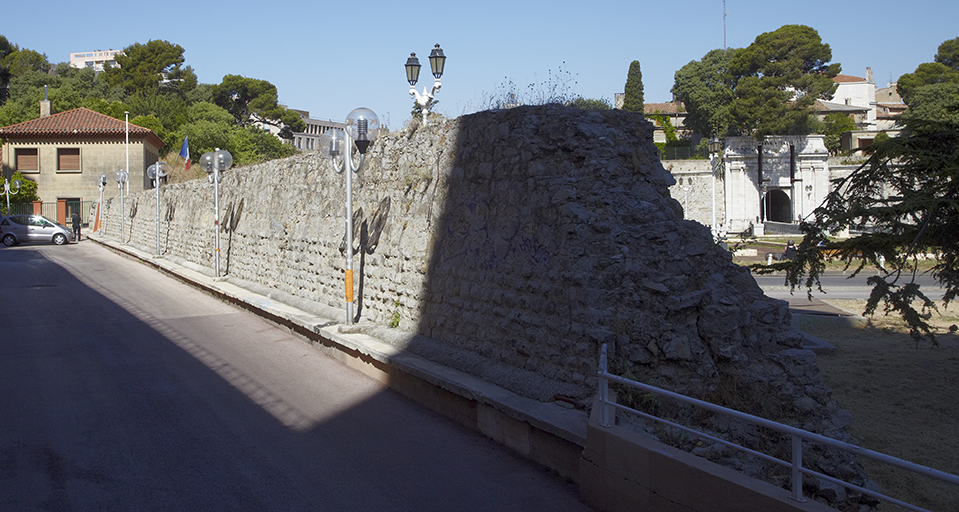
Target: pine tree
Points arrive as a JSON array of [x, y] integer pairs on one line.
[[633, 99]]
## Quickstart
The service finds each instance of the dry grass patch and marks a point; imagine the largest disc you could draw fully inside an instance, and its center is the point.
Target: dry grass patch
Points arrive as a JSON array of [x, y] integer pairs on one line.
[[903, 397]]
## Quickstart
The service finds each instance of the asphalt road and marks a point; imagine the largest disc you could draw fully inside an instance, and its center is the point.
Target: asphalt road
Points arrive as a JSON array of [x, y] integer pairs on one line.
[[123, 389], [839, 286]]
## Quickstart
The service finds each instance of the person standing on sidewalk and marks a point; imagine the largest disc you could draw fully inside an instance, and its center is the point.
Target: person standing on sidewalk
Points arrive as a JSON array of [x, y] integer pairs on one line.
[[76, 225]]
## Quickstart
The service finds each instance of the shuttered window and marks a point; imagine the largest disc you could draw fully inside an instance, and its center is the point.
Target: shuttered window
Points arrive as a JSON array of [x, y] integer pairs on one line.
[[27, 159], [68, 159]]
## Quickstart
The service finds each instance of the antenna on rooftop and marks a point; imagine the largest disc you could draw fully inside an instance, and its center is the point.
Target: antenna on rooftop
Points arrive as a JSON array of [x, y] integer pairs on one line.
[[724, 25]]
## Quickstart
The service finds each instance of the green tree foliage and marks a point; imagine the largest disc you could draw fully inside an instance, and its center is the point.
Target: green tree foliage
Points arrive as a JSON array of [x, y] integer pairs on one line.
[[779, 77], [936, 102], [208, 126], [948, 54], [927, 73], [15, 62], [26, 194], [706, 88], [835, 124], [633, 98], [158, 91], [142, 67], [21, 61], [904, 200], [251, 100], [591, 104], [251, 145]]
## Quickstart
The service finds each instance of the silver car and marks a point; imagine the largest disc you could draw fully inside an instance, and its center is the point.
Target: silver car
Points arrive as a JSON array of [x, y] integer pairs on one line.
[[32, 228]]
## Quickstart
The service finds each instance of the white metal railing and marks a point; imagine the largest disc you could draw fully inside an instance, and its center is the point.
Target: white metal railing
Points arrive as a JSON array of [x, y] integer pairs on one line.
[[797, 436]]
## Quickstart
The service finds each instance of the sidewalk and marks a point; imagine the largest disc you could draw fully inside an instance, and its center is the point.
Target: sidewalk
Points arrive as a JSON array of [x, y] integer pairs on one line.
[[551, 434]]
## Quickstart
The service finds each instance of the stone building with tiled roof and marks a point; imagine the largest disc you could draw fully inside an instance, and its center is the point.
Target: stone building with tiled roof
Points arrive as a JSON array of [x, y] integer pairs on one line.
[[66, 153]]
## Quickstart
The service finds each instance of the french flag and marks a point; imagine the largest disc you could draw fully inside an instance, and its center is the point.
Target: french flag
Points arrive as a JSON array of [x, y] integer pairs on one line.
[[185, 151]]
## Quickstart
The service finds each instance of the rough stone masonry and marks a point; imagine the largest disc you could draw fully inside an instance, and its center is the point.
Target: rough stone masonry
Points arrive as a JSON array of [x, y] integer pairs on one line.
[[511, 244]]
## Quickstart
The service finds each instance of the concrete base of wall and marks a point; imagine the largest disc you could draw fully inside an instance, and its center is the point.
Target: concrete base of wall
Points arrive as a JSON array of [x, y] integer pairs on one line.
[[623, 470]]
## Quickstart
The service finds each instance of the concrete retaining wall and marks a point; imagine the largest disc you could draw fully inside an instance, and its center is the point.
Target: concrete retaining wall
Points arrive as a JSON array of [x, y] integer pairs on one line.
[[623, 471]]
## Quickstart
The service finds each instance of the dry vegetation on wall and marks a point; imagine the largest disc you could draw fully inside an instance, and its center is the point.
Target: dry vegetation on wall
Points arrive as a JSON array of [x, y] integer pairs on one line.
[[902, 397]]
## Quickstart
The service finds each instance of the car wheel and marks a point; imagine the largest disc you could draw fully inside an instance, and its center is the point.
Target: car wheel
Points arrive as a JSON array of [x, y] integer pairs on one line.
[[59, 239], [9, 240]]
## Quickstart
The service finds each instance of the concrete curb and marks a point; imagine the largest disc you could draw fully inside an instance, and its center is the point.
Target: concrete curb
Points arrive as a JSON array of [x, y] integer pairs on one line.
[[549, 433]]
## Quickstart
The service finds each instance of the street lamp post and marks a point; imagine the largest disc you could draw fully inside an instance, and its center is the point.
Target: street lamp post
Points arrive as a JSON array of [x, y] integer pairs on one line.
[[715, 150], [362, 126], [127, 115], [437, 63], [215, 163], [156, 172], [7, 191], [121, 177], [101, 184]]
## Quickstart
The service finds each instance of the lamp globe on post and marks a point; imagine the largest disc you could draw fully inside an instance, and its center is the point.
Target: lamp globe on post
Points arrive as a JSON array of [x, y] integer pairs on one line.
[[156, 172], [7, 189], [214, 163], [121, 178], [362, 128]]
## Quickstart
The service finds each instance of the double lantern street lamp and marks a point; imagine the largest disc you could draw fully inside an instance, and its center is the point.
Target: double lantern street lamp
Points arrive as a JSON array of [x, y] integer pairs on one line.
[[362, 126], [214, 163], [437, 63], [7, 190]]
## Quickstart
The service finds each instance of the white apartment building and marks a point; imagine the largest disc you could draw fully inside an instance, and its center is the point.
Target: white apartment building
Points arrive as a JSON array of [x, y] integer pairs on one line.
[[97, 60], [858, 92]]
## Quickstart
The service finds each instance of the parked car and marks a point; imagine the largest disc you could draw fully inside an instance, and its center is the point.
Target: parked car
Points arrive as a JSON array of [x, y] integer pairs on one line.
[[32, 228]]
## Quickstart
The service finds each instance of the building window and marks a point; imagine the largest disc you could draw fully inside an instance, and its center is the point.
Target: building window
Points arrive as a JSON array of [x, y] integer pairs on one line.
[[68, 159], [27, 159]]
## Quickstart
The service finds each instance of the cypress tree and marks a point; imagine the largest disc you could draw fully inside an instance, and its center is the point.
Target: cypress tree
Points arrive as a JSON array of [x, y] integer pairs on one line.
[[633, 99]]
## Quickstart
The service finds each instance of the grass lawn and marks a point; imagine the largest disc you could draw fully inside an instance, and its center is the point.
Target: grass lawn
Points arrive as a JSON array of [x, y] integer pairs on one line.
[[903, 397]]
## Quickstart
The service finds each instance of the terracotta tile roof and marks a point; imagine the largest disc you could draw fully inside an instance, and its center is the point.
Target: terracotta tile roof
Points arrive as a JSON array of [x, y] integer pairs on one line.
[[672, 107], [79, 122], [845, 79]]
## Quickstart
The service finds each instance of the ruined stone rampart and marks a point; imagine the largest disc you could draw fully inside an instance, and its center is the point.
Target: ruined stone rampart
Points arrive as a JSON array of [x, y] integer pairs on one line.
[[525, 237], [509, 245], [522, 239]]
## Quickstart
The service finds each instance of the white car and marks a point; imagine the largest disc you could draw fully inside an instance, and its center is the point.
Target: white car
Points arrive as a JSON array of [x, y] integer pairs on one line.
[[32, 228]]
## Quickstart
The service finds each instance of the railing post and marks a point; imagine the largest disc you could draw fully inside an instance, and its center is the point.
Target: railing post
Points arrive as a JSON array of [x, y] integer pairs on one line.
[[797, 469], [603, 386]]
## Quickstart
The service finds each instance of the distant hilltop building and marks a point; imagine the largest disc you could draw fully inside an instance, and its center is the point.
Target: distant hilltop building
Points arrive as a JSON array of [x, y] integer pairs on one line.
[[97, 60]]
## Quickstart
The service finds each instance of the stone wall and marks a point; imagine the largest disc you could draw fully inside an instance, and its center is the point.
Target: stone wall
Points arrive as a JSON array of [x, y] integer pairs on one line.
[[525, 238], [510, 245], [697, 191]]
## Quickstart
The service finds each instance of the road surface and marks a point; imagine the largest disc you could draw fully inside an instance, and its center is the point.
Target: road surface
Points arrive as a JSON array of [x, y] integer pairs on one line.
[[123, 389], [837, 286]]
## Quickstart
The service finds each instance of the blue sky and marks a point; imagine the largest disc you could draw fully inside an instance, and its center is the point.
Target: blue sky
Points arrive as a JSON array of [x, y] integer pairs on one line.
[[330, 57]]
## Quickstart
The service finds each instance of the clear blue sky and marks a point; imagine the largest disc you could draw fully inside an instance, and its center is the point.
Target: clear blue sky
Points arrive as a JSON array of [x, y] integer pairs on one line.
[[330, 57]]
